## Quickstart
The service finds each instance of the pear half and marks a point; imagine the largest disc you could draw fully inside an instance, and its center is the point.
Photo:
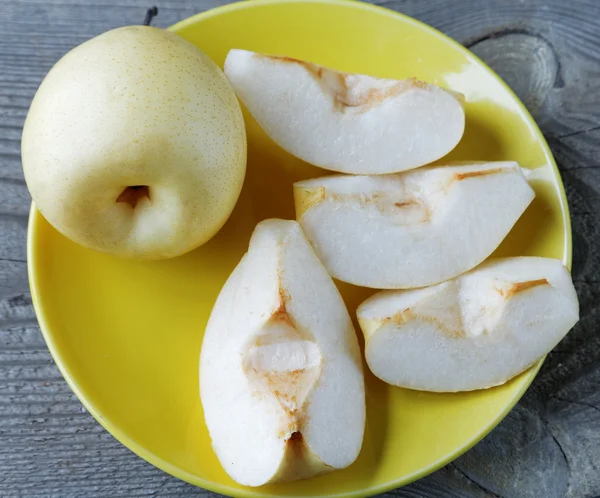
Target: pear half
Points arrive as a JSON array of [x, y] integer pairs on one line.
[[343, 122], [411, 229], [281, 378], [474, 332]]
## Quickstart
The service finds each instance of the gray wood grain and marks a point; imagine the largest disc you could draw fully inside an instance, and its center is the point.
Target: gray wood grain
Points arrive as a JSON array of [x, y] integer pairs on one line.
[[549, 446]]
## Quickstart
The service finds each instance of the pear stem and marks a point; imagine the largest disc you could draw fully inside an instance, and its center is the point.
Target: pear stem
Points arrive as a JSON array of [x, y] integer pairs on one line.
[[151, 13]]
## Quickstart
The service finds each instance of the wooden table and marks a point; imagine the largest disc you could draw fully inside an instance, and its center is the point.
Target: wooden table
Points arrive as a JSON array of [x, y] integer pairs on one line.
[[548, 446]]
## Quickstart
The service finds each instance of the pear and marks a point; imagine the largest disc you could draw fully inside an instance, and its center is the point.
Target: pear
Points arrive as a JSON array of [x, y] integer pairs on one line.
[[281, 379], [411, 229], [350, 123], [473, 332], [135, 145]]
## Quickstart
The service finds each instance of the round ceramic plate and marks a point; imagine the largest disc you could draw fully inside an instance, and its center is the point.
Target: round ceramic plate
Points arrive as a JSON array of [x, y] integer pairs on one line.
[[127, 334]]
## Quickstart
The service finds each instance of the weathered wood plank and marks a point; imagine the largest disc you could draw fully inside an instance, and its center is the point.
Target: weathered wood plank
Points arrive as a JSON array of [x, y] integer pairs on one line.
[[506, 462], [547, 50]]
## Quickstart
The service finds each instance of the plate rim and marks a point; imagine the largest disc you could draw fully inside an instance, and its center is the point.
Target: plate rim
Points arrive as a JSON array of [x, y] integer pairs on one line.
[[175, 471]]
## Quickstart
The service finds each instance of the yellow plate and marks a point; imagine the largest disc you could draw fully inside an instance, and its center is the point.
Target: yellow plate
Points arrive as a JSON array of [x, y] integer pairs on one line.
[[126, 334]]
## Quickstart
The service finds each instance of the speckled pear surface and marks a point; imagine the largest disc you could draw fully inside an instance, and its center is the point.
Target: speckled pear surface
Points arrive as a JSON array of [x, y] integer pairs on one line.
[[135, 144]]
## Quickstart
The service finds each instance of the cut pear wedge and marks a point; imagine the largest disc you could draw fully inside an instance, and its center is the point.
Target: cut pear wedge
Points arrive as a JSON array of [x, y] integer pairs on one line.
[[411, 229], [350, 123], [473, 332], [281, 378]]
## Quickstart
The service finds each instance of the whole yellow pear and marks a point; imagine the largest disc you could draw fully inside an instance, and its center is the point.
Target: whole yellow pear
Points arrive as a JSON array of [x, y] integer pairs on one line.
[[135, 145]]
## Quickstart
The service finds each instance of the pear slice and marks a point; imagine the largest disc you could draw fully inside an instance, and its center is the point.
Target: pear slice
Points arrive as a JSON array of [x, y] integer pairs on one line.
[[281, 378], [411, 229], [343, 122], [473, 332]]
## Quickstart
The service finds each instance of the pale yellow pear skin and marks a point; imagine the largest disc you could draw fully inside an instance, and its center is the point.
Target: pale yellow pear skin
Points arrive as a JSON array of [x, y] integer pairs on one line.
[[135, 145]]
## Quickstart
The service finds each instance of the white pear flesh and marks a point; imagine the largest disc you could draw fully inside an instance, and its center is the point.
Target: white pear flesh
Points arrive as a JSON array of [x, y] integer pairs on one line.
[[281, 379], [411, 229], [473, 332], [135, 145], [350, 123]]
